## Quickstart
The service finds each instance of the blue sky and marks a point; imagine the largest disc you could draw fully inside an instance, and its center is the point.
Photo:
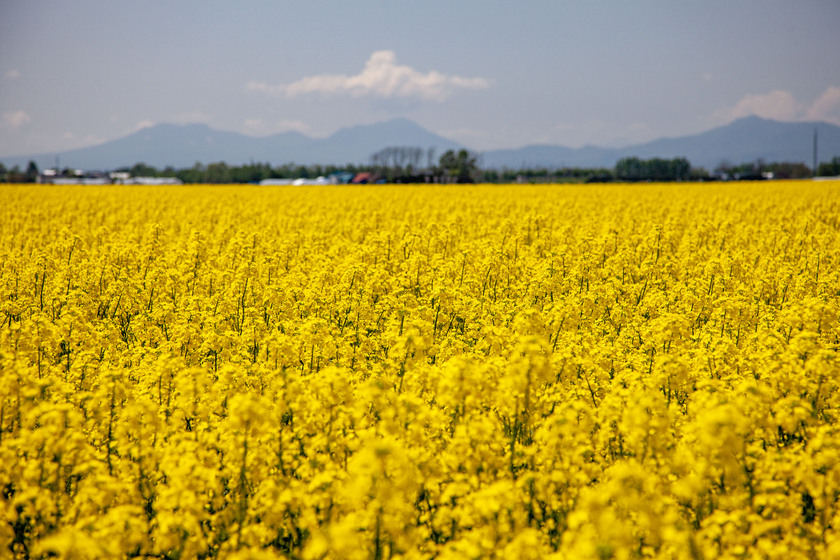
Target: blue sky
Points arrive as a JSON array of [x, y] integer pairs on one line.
[[489, 74]]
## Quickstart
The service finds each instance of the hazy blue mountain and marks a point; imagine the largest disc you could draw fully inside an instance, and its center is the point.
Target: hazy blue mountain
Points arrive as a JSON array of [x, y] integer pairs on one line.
[[356, 144], [169, 144], [184, 145], [543, 155], [747, 140], [741, 141]]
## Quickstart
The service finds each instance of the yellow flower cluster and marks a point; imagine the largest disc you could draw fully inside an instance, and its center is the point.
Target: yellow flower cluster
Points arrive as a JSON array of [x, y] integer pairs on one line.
[[626, 371]]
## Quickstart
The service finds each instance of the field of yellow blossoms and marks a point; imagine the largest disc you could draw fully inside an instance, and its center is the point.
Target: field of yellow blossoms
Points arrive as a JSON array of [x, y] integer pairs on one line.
[[381, 372]]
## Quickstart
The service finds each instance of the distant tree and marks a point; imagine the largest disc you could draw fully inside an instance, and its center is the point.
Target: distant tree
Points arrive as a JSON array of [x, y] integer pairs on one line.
[[413, 155], [217, 173], [656, 169], [303, 171], [629, 169], [194, 174], [787, 170], [724, 168], [143, 170], [460, 167], [600, 176], [761, 169], [430, 157], [829, 169], [14, 175], [398, 163], [32, 172], [680, 169], [699, 174], [251, 173]]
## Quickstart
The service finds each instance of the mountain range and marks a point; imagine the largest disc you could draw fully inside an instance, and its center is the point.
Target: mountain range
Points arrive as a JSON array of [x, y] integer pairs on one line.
[[742, 141], [162, 145]]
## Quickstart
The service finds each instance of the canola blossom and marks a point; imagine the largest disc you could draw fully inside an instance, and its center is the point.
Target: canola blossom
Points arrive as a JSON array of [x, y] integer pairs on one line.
[[615, 371]]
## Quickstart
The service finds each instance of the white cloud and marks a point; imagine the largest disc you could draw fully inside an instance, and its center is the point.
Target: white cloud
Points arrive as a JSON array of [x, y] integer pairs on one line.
[[781, 105], [381, 77], [778, 104], [16, 119], [255, 124], [826, 107], [143, 124]]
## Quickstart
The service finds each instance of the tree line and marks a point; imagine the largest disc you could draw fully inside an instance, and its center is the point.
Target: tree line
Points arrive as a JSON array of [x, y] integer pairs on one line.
[[408, 164], [761, 169]]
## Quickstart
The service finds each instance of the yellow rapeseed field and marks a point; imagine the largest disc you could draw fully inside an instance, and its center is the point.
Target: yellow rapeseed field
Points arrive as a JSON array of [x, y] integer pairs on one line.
[[380, 372]]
